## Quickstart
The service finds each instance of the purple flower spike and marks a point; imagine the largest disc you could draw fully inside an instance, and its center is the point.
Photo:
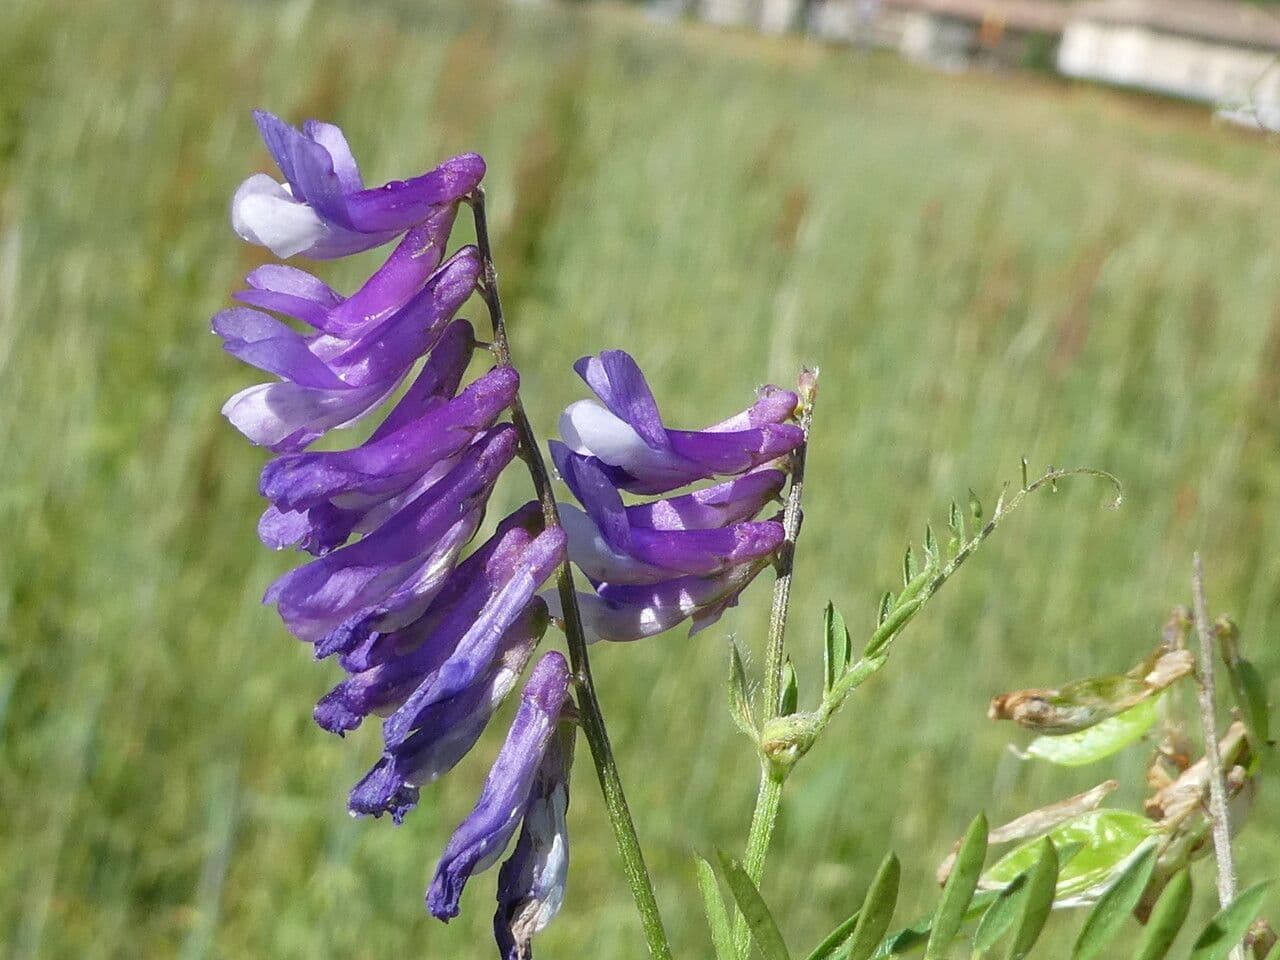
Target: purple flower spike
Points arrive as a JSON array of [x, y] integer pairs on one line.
[[448, 730], [318, 596], [484, 834], [627, 433], [688, 557], [532, 880], [477, 647], [323, 209]]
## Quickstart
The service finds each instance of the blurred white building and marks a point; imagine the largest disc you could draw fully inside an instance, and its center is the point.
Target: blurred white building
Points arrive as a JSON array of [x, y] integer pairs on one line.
[[1222, 53]]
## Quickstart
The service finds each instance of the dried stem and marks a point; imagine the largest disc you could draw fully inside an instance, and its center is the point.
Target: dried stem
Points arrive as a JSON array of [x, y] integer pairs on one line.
[[1209, 727], [769, 797], [592, 718]]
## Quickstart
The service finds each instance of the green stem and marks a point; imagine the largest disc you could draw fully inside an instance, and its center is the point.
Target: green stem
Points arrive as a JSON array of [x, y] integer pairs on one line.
[[769, 796], [591, 716]]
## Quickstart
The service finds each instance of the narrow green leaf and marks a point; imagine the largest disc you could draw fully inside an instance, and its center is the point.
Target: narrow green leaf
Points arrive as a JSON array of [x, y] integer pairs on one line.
[[739, 701], [908, 566], [1167, 918], [975, 507], [1099, 741], [876, 912], [790, 690], [1114, 907], [886, 607], [1229, 925], [764, 930], [1000, 916], [1041, 884], [1025, 483], [908, 938], [835, 938], [717, 915], [892, 626], [959, 889], [1106, 838], [930, 548], [1252, 697], [955, 522], [836, 654]]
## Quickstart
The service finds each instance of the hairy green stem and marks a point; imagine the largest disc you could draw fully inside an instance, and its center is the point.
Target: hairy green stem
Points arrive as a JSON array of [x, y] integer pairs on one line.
[[592, 719], [1217, 786], [769, 797]]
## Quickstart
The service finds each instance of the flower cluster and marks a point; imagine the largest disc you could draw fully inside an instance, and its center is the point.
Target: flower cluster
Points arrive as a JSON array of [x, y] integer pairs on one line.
[[430, 641], [656, 564]]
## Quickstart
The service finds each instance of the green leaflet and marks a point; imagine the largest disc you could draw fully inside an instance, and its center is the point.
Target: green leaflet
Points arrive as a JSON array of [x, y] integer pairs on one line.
[[908, 938], [1167, 918], [1101, 740], [1107, 839], [790, 694], [1000, 916], [739, 701], [1036, 902], [1228, 926], [764, 930], [959, 889], [876, 912], [1114, 906], [717, 915], [835, 938], [838, 647]]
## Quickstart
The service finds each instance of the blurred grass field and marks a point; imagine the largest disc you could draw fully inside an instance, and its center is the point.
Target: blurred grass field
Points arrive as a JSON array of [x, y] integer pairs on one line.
[[983, 267]]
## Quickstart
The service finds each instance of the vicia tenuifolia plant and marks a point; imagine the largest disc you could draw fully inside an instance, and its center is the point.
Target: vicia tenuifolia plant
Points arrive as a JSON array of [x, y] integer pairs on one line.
[[434, 616]]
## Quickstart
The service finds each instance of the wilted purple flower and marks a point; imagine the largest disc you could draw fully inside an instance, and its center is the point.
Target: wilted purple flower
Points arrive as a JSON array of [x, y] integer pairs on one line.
[[657, 564], [531, 881], [430, 638], [323, 209], [484, 834]]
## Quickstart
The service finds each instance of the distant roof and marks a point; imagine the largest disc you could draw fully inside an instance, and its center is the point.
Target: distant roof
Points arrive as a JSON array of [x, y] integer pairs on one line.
[[1042, 16], [1236, 23]]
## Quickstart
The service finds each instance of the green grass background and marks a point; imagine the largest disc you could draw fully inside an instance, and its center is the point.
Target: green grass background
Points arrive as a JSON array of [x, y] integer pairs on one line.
[[983, 267]]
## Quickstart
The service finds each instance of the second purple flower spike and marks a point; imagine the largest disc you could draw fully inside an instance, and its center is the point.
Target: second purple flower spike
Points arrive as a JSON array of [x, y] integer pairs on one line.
[[688, 557]]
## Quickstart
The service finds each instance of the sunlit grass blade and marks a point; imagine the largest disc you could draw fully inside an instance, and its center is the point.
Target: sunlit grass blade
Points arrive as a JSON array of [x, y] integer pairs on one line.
[[1228, 926], [876, 912], [1111, 910], [716, 913], [959, 889], [764, 930]]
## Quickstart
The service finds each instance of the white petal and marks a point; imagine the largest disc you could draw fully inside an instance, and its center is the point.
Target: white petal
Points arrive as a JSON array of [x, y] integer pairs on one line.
[[590, 429], [596, 558], [265, 212]]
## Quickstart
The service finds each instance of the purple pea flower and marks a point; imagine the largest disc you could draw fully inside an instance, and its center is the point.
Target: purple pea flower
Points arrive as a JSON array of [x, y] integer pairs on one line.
[[688, 557], [484, 834], [532, 880], [627, 434], [323, 208], [447, 730], [327, 381], [417, 544]]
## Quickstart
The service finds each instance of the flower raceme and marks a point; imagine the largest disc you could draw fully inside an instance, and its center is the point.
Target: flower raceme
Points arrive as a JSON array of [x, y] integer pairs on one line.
[[687, 557], [432, 639]]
